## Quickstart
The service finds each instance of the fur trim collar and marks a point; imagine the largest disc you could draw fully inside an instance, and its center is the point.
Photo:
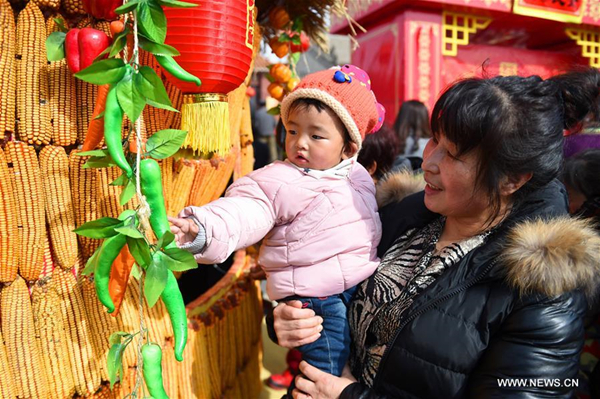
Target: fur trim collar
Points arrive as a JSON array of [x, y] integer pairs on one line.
[[396, 186], [553, 257]]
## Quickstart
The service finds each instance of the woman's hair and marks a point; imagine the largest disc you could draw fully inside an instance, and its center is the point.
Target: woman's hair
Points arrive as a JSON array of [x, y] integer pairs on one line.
[[582, 172], [378, 147], [412, 121], [515, 125]]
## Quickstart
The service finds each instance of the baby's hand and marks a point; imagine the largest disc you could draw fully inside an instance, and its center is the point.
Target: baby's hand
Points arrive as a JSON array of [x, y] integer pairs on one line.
[[185, 230]]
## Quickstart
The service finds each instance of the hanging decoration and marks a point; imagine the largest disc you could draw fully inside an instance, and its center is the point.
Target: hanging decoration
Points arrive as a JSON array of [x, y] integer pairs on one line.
[[215, 40]]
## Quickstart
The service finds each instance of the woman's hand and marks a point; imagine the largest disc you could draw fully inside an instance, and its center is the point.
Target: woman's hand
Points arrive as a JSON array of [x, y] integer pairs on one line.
[[314, 383], [184, 229], [295, 326]]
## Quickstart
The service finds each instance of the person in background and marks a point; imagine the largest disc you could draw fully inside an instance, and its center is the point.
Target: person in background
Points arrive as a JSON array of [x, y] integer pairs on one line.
[[484, 277], [316, 211], [581, 176], [413, 133], [377, 153]]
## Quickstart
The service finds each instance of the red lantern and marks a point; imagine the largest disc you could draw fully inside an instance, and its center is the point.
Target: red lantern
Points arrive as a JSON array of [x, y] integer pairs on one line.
[[215, 40]]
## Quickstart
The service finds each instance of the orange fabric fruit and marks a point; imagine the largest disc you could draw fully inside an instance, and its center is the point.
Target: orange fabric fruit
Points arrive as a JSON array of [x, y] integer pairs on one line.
[[276, 91], [281, 73], [280, 49], [279, 17]]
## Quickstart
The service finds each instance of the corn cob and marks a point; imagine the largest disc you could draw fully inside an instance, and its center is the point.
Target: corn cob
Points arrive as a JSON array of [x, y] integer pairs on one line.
[[21, 346], [202, 175], [8, 76], [53, 5], [108, 196], [102, 325], [7, 388], [83, 193], [166, 170], [61, 84], [31, 220], [73, 7], [54, 165], [50, 330], [86, 373], [85, 101], [224, 172], [9, 232], [33, 111], [182, 184]]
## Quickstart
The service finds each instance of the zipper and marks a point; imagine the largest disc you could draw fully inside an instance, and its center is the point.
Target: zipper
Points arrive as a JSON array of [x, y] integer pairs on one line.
[[426, 308]]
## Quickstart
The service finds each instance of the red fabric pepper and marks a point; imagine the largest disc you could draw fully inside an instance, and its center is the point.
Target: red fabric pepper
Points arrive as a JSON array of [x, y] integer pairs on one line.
[[82, 46], [102, 9], [304, 43]]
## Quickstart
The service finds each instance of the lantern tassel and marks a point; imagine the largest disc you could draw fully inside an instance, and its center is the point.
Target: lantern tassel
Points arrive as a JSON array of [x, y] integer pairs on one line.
[[206, 119]]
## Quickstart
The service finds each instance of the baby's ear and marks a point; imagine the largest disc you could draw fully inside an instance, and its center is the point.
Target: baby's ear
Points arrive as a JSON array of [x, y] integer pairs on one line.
[[350, 150]]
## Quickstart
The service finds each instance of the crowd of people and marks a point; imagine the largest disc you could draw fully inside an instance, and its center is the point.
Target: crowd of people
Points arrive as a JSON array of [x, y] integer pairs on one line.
[[455, 253]]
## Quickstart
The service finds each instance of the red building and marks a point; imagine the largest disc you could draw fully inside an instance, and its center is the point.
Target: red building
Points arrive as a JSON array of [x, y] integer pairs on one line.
[[413, 49]]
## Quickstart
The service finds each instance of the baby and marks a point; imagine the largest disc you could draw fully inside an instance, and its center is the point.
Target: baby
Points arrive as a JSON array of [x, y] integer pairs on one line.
[[316, 211]]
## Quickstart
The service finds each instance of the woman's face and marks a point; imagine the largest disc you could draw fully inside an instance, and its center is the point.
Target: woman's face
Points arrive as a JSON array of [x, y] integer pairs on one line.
[[451, 182]]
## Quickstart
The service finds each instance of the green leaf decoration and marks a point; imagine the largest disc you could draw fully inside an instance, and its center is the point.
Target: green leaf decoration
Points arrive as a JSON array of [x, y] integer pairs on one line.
[[165, 143], [149, 84], [284, 38], [116, 337], [55, 46], [270, 78], [152, 22], [157, 48], [61, 24], [130, 231], [161, 106], [130, 100], [108, 71], [100, 228], [119, 43], [176, 4], [114, 363], [176, 259], [120, 181], [127, 193], [129, 6], [165, 240], [155, 281], [139, 249], [135, 272], [93, 153], [90, 265], [296, 40], [99, 116], [295, 57], [298, 26], [105, 161], [275, 110], [128, 214]]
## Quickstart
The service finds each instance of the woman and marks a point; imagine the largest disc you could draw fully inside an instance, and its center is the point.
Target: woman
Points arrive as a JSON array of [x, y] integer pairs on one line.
[[483, 278]]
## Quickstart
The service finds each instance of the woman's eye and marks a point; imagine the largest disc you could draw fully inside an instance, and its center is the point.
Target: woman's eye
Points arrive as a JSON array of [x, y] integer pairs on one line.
[[316, 137], [292, 132]]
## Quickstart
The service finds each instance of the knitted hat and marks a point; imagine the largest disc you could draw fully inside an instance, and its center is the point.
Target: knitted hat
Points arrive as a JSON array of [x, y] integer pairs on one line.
[[347, 91]]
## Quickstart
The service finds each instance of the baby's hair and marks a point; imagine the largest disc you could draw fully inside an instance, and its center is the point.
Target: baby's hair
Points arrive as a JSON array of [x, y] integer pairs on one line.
[[305, 103]]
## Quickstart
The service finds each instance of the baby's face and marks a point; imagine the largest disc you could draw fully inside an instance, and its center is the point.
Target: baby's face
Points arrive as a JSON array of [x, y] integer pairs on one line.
[[314, 139]]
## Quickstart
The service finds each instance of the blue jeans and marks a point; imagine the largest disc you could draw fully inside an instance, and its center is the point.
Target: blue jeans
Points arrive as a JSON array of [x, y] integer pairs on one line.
[[330, 352]]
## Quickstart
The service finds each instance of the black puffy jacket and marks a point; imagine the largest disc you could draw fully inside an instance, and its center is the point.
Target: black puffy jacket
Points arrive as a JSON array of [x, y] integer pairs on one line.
[[511, 309]]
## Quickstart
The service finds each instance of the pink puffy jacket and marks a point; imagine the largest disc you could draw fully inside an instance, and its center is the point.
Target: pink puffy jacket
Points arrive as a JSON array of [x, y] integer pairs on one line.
[[320, 235]]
